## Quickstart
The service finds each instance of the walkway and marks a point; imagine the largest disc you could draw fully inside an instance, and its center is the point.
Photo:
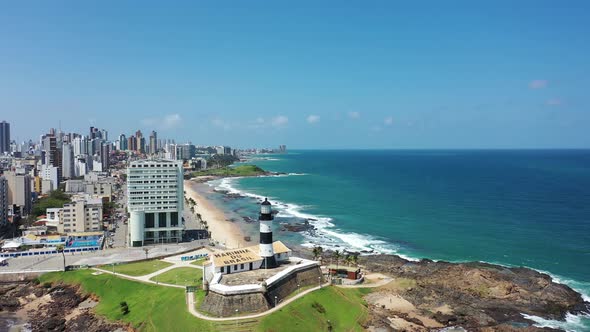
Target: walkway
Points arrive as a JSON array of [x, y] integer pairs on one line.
[[190, 298]]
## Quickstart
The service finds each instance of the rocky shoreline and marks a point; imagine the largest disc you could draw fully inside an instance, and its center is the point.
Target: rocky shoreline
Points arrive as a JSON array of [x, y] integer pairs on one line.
[[44, 307], [475, 296]]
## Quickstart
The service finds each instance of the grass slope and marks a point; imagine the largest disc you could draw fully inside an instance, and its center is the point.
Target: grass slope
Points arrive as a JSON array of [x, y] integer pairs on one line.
[[344, 308], [241, 170], [184, 276], [152, 308], [200, 262], [139, 268]]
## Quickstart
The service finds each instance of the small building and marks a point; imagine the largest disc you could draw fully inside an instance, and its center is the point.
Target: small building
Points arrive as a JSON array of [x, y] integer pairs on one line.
[[244, 259], [352, 273]]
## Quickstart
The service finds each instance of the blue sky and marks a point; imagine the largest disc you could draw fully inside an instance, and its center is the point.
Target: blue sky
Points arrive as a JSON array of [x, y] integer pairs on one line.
[[309, 74]]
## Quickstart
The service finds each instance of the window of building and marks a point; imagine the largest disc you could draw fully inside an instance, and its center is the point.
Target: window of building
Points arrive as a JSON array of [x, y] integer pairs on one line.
[[162, 219], [222, 269], [241, 266], [149, 220], [174, 219]]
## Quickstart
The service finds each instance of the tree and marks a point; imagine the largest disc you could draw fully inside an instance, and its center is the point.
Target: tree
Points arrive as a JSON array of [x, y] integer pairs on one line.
[[317, 252], [337, 255], [124, 308], [354, 260], [60, 248]]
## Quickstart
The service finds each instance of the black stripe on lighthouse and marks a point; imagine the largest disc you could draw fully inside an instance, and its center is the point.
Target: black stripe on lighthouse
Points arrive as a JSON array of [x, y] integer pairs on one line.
[[266, 238]]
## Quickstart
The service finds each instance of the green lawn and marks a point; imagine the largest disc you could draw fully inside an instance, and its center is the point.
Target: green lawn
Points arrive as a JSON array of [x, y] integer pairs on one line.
[[241, 170], [200, 262], [185, 276], [152, 308], [344, 308], [139, 268]]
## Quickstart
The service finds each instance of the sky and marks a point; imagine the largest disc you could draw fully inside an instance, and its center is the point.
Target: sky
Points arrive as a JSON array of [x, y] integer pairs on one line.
[[308, 74]]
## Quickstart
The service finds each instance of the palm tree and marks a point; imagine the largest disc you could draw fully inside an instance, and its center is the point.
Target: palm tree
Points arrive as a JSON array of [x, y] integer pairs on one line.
[[60, 248], [317, 252], [337, 255], [354, 259], [348, 260]]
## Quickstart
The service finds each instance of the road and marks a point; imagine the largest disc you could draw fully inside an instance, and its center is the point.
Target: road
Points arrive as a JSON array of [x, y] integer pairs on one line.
[[108, 256]]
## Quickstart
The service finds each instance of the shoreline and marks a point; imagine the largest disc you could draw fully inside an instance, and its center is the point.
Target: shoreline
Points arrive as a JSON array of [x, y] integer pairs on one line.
[[222, 230]]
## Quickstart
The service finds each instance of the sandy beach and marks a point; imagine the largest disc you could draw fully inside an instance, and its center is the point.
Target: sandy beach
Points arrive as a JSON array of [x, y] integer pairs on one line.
[[222, 230]]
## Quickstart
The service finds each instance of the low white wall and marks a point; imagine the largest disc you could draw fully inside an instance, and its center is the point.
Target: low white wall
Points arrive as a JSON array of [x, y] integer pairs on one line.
[[216, 287]]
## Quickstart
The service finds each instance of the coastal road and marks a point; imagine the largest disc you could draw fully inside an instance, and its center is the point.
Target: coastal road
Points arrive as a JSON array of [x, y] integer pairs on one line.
[[109, 256]]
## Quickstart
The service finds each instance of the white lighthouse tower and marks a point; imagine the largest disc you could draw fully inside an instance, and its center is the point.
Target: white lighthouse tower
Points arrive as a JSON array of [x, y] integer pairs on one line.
[[266, 250]]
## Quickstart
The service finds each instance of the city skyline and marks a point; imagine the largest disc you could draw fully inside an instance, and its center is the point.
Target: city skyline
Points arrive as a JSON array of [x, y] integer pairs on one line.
[[330, 75]]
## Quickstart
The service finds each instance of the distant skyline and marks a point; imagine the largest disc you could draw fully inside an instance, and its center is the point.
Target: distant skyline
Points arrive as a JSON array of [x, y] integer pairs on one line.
[[308, 74]]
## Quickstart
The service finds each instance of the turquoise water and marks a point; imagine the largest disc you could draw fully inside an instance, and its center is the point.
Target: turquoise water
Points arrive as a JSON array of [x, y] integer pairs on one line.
[[520, 208]]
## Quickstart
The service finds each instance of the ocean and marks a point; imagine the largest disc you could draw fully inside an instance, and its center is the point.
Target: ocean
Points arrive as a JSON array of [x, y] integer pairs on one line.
[[512, 207]]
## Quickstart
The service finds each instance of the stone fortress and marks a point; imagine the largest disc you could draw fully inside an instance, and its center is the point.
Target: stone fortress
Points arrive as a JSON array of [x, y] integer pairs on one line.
[[257, 278]]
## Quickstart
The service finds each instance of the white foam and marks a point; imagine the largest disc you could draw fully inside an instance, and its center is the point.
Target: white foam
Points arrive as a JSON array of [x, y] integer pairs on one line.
[[572, 323], [326, 233], [581, 287]]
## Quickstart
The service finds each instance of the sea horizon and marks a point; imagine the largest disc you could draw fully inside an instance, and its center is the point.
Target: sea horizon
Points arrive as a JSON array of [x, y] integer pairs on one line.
[[527, 210]]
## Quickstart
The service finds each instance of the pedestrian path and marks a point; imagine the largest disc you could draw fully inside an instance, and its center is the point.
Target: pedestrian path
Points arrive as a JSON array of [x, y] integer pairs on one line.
[[190, 296]]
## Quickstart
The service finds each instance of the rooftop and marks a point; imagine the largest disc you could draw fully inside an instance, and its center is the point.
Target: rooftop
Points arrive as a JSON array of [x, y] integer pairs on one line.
[[244, 255], [254, 276]]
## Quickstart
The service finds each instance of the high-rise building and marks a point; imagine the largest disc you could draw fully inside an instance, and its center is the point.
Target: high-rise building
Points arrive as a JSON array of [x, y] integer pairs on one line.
[[19, 191], [131, 143], [122, 142], [4, 137], [67, 161], [51, 174], [155, 195], [153, 142], [105, 156], [140, 142], [77, 146], [3, 200]]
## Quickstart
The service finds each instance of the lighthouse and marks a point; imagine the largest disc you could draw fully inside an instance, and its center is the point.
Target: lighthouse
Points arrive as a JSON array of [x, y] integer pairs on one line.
[[266, 249]]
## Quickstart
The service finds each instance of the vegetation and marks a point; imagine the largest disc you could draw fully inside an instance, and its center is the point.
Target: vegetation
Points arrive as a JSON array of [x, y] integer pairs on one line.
[[184, 276], [151, 307], [55, 199], [124, 308], [141, 268], [343, 308], [221, 160], [200, 262], [317, 252], [241, 170], [61, 248]]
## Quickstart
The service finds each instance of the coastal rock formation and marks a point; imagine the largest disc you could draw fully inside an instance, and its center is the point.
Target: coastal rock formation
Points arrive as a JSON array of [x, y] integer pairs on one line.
[[475, 295], [47, 308]]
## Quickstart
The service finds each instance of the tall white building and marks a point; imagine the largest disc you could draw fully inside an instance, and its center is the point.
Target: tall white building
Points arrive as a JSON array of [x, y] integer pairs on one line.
[[50, 173], [155, 192]]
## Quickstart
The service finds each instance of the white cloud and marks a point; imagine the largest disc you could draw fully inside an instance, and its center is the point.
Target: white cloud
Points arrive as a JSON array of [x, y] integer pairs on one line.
[[279, 121], [553, 102], [313, 119], [220, 123], [354, 115], [169, 121], [260, 120], [376, 129], [538, 84], [388, 121]]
